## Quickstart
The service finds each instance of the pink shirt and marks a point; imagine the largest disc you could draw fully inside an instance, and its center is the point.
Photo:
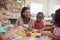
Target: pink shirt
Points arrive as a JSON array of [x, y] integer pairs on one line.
[[57, 31]]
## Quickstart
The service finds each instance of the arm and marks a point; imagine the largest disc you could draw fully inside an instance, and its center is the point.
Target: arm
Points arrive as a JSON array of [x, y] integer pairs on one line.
[[31, 25], [5, 36], [53, 36], [47, 29], [50, 35]]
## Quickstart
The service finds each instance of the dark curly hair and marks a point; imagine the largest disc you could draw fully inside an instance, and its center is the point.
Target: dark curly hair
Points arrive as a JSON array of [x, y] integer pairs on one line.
[[41, 14], [57, 18]]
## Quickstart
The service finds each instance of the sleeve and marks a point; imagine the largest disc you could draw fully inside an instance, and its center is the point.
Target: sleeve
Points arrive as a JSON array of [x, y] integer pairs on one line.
[[1, 29], [57, 32]]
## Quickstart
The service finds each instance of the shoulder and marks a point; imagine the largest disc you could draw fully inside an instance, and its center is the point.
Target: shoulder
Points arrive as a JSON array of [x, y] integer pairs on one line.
[[42, 21]]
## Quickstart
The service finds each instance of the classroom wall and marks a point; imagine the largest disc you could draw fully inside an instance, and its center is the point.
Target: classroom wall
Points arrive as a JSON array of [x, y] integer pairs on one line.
[[52, 4], [45, 3], [48, 5]]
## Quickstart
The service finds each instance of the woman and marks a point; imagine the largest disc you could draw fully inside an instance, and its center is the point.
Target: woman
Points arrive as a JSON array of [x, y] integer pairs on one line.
[[25, 19]]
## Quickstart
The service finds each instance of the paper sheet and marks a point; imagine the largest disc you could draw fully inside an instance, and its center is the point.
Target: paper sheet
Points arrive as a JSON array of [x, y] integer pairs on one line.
[[15, 36]]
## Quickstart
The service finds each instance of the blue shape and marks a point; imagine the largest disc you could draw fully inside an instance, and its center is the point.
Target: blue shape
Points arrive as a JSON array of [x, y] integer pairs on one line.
[[28, 35], [37, 36]]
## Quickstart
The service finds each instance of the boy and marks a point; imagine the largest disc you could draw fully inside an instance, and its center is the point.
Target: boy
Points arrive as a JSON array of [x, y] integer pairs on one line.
[[3, 34]]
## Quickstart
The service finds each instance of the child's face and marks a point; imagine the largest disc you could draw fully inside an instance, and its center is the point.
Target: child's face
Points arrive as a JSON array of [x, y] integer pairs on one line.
[[39, 17], [3, 11]]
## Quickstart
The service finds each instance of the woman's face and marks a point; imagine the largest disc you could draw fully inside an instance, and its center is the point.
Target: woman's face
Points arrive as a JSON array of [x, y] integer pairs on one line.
[[27, 13]]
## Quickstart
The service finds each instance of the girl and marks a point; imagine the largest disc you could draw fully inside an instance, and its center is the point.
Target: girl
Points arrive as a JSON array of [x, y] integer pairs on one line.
[[56, 34], [39, 23]]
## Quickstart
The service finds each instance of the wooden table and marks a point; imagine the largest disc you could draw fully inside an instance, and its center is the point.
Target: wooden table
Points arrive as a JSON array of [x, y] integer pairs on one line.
[[32, 38]]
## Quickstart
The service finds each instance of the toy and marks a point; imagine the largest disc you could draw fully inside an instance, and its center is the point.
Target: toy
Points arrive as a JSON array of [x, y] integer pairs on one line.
[[28, 34], [38, 35], [31, 33]]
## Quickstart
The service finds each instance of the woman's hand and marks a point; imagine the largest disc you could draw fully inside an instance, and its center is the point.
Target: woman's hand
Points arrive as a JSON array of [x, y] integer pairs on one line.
[[29, 28]]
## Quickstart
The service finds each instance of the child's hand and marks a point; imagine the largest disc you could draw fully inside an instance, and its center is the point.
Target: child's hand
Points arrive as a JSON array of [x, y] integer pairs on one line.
[[43, 32]]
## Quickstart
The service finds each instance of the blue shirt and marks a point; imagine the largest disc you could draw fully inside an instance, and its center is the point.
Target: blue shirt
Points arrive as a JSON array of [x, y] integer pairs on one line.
[[1, 29]]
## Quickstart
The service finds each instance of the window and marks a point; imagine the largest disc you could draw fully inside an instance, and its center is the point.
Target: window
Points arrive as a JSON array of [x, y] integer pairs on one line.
[[35, 8]]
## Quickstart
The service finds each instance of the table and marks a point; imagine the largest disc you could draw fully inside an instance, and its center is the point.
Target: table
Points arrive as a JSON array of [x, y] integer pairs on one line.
[[23, 36], [32, 38]]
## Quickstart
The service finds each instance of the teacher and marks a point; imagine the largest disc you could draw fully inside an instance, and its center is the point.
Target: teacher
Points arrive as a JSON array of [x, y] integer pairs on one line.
[[25, 19]]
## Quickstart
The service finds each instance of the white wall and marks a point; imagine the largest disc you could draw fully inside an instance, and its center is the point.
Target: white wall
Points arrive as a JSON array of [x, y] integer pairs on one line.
[[52, 4], [45, 3], [48, 5]]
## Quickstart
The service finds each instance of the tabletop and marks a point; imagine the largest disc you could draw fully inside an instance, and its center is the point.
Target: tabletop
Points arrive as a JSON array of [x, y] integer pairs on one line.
[[22, 35]]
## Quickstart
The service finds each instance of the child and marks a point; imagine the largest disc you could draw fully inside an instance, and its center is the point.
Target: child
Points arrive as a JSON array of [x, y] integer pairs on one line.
[[56, 34], [52, 16], [39, 23], [52, 22], [5, 22], [5, 35], [1, 18]]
